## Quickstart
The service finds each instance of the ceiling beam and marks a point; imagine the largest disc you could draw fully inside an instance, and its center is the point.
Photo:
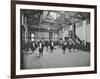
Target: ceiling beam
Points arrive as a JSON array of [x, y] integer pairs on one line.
[[81, 14], [68, 21], [48, 13]]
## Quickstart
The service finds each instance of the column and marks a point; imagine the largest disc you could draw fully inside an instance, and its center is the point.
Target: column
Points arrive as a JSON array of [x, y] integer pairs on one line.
[[84, 31]]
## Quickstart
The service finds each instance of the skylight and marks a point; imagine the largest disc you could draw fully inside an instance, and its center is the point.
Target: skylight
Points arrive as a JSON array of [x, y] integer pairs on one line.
[[54, 15]]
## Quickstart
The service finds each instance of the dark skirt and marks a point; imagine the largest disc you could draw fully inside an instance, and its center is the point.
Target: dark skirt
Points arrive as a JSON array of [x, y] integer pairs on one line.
[[33, 48], [51, 47], [64, 47], [40, 49]]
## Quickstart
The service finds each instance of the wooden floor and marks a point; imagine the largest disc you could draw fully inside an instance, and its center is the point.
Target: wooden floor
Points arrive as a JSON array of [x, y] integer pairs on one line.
[[57, 59]]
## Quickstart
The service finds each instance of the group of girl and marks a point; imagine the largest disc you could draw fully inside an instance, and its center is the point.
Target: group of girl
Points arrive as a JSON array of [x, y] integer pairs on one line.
[[40, 45], [69, 44]]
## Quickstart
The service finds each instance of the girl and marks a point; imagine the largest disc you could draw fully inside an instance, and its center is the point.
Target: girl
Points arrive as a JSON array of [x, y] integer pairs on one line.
[[40, 48]]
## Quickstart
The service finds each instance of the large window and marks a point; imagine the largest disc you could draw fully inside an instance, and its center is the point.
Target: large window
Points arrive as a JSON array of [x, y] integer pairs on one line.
[[32, 37]]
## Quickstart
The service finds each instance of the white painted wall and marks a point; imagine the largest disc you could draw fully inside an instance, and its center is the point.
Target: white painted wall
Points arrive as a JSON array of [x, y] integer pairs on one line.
[[83, 32], [88, 32], [5, 54], [79, 32]]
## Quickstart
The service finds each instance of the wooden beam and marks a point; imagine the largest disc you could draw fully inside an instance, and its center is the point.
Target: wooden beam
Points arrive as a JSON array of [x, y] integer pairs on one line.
[[68, 21]]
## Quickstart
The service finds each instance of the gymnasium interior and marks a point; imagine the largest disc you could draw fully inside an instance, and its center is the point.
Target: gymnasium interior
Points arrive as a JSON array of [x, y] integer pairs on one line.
[[54, 39]]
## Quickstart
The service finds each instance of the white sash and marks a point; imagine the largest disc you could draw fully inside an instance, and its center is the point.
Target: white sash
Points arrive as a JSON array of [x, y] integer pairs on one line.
[[33, 45], [40, 45], [52, 44]]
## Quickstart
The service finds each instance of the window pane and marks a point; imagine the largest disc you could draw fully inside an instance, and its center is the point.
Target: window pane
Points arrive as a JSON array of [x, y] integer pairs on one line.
[[32, 35], [32, 39]]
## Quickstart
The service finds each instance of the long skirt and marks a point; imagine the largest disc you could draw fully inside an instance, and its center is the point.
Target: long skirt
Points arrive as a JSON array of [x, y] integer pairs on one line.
[[51, 47], [40, 51]]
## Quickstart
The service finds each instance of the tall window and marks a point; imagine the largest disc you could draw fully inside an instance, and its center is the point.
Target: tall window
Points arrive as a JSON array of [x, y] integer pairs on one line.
[[56, 37], [32, 37]]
